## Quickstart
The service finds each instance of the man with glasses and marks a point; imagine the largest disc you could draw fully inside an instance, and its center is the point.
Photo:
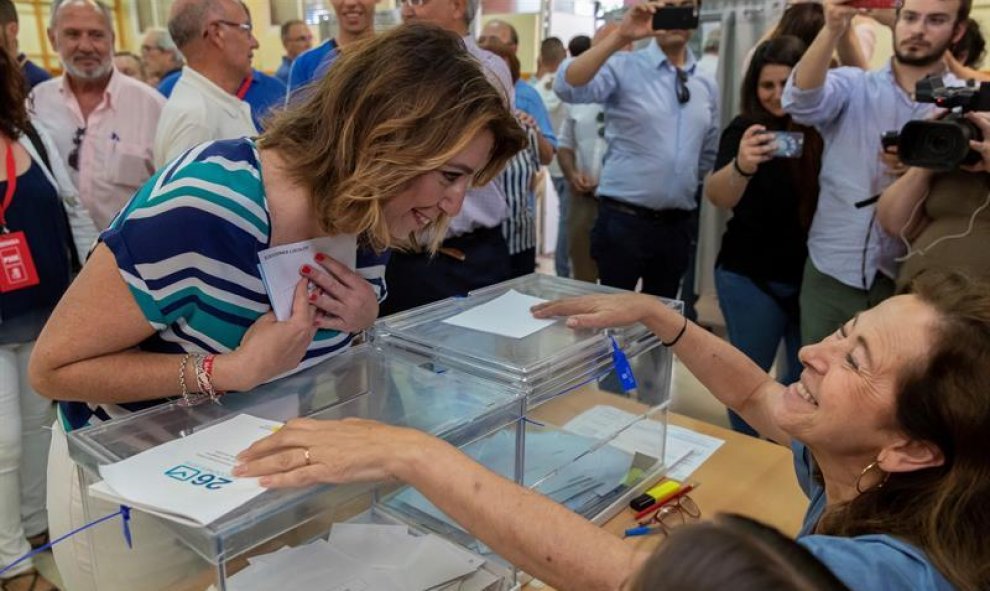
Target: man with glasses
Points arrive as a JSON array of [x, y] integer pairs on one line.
[[474, 253], [102, 122], [355, 21], [296, 39], [207, 102], [851, 260], [661, 126], [160, 55]]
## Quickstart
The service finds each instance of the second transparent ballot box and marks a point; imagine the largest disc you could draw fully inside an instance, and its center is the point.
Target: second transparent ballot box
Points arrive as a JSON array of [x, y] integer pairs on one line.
[[589, 440], [392, 386]]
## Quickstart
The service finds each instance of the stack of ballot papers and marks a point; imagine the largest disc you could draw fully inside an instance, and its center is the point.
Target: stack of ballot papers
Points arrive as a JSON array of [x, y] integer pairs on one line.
[[368, 557], [188, 480]]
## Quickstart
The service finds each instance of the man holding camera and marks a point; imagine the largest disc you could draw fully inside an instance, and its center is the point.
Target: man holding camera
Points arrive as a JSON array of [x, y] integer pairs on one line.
[[661, 125], [851, 259]]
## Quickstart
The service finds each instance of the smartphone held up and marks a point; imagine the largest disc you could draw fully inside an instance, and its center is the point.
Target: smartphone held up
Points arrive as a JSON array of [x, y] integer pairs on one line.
[[677, 18], [787, 144], [875, 4]]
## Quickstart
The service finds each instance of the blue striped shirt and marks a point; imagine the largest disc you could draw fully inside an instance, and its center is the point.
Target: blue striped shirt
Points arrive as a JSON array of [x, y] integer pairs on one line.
[[516, 180], [187, 246]]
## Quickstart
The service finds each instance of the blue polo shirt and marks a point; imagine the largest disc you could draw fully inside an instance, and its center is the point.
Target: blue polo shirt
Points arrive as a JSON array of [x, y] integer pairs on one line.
[[528, 100], [264, 94], [310, 65], [32, 72]]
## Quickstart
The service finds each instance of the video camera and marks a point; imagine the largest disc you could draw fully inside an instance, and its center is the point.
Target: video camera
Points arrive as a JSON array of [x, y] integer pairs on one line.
[[942, 144]]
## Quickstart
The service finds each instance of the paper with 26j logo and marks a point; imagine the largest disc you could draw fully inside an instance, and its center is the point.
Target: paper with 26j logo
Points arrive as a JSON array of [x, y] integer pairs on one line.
[[188, 480]]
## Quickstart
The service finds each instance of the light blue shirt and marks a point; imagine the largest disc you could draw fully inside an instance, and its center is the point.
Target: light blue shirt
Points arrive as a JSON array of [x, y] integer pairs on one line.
[[658, 149], [528, 100], [875, 562], [851, 111]]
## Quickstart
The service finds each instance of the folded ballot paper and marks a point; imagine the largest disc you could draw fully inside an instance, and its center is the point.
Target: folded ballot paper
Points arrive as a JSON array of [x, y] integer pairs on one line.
[[367, 557], [280, 265], [188, 480]]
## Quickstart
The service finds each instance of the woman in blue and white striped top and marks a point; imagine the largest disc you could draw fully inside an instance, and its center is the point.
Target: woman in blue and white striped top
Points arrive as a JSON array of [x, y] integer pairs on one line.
[[385, 149]]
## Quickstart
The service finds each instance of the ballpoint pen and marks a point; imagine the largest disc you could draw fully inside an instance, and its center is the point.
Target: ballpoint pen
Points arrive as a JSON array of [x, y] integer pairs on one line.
[[644, 530]]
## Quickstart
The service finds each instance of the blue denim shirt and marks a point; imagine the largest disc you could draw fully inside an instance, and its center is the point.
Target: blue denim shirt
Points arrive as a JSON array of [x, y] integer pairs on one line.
[[851, 111], [658, 149], [875, 562]]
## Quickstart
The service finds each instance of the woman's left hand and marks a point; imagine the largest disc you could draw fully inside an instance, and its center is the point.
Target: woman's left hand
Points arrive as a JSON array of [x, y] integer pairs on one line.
[[981, 120], [307, 451], [347, 301]]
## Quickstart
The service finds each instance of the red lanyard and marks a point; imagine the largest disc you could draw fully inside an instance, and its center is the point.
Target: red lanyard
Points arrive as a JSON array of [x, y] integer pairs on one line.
[[242, 91], [8, 196]]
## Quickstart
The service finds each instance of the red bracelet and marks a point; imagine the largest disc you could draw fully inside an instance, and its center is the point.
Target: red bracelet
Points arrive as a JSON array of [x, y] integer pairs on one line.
[[204, 377]]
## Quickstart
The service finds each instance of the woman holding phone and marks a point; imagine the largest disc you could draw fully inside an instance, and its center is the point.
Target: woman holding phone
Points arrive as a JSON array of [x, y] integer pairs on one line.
[[771, 186]]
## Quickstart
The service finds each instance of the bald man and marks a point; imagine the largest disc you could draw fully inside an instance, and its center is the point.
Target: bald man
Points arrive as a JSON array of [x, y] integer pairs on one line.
[[217, 39]]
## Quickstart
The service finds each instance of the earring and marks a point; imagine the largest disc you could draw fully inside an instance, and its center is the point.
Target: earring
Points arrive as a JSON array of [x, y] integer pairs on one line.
[[874, 465]]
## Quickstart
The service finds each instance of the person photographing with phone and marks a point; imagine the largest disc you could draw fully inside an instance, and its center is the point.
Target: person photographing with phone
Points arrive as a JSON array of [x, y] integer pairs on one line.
[[851, 262], [661, 126], [767, 174]]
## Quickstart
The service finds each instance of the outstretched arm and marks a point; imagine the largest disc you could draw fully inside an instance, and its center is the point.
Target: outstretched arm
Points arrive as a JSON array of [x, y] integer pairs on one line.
[[728, 374], [543, 538]]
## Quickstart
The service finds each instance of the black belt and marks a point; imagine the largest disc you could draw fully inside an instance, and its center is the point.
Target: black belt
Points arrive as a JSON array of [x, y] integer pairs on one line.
[[671, 215]]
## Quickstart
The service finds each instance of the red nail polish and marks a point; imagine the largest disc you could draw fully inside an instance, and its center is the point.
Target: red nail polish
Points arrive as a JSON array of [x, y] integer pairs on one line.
[[313, 296], [319, 257], [306, 269]]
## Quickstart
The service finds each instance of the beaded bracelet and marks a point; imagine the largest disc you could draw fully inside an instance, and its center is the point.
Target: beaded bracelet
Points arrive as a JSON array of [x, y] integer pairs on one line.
[[679, 335]]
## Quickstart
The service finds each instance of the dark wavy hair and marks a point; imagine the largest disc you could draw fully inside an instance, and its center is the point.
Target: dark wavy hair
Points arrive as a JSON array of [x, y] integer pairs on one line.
[[803, 20], [13, 93], [785, 50], [945, 401]]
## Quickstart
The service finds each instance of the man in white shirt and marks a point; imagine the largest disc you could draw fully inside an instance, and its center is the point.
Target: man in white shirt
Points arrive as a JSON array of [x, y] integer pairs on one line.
[[101, 121], [216, 38]]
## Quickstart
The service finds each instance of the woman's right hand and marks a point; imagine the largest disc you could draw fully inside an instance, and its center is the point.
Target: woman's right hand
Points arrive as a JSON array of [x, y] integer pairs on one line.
[[637, 23], [269, 348], [755, 148], [600, 311]]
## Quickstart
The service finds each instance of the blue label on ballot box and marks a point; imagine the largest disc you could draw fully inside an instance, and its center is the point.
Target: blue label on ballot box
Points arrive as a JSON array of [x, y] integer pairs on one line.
[[622, 368], [195, 477]]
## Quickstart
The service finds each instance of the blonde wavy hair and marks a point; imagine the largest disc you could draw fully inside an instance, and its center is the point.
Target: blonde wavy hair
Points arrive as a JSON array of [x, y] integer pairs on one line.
[[389, 110]]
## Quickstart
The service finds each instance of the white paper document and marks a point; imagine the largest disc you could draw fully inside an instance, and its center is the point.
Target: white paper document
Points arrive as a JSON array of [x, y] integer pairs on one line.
[[280, 266], [507, 315], [367, 557], [685, 451], [188, 480]]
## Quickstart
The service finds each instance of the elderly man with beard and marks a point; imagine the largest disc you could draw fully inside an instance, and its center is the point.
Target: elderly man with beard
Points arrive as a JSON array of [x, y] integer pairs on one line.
[[851, 260], [102, 121]]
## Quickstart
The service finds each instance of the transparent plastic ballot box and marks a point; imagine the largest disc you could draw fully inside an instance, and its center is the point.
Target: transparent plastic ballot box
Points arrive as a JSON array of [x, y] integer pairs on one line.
[[393, 386], [588, 440]]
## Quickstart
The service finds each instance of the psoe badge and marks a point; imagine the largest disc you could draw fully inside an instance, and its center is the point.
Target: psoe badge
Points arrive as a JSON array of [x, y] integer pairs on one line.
[[16, 265]]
